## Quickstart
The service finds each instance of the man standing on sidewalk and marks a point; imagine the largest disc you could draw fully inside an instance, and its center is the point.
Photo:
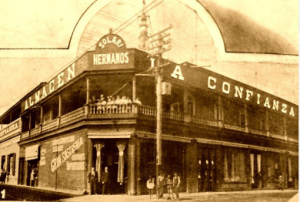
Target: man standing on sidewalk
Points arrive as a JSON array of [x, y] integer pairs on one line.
[[176, 183], [160, 185], [105, 181], [92, 179]]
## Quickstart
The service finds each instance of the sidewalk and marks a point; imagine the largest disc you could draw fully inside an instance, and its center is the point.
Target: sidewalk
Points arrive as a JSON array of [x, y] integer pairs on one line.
[[183, 196]]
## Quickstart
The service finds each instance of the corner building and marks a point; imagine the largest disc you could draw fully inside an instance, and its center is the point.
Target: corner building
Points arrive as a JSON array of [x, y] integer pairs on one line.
[[217, 133]]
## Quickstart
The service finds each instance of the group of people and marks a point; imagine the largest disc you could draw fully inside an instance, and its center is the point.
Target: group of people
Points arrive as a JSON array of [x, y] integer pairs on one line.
[[205, 181], [105, 181], [171, 184], [112, 105]]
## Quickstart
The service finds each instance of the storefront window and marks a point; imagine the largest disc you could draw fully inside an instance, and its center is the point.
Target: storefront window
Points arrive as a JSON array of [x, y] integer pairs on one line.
[[292, 127], [2, 162], [273, 167], [231, 111], [234, 166], [12, 164]]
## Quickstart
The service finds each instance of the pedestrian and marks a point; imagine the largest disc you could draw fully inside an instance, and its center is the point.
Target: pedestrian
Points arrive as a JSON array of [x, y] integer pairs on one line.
[[105, 179], [150, 185], [169, 183], [199, 182], [92, 179], [160, 185], [281, 182], [32, 177], [176, 183]]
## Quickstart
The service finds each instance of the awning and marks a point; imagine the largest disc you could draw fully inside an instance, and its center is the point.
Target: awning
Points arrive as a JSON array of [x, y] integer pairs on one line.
[[32, 152]]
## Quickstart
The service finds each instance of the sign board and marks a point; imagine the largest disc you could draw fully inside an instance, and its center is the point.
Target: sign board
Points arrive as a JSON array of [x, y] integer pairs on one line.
[[111, 53], [11, 129], [54, 84], [215, 83], [31, 152]]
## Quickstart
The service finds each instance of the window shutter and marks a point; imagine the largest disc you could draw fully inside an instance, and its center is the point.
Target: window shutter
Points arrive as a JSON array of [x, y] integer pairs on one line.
[[7, 164], [13, 164]]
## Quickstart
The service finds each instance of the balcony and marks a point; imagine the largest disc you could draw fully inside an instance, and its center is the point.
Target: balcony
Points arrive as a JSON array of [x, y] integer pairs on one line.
[[128, 111]]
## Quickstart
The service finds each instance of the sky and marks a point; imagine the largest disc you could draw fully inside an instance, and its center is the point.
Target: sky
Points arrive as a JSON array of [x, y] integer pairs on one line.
[[36, 36]]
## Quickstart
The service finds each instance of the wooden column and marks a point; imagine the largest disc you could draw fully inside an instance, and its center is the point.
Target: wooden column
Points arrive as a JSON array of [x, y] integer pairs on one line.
[[98, 147], [90, 160], [121, 147], [264, 168], [248, 168], [21, 125], [86, 107], [138, 169], [284, 128], [29, 128], [131, 167], [283, 168], [134, 89], [246, 118], [41, 118], [219, 166], [192, 167], [59, 109], [220, 112], [267, 122], [87, 90]]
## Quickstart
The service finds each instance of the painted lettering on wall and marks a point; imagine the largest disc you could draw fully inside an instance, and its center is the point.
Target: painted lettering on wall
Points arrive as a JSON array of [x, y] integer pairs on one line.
[[241, 93], [57, 82], [75, 165], [43, 157], [177, 74], [111, 39], [63, 140], [10, 128], [111, 58], [65, 155]]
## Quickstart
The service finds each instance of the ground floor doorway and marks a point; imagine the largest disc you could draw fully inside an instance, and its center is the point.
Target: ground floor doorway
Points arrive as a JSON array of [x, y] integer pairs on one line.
[[256, 173], [206, 169], [32, 173], [113, 155]]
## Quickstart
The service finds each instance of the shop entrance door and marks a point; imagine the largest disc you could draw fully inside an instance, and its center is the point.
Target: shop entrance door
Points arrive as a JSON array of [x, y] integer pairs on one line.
[[32, 173], [256, 176], [206, 170], [21, 171], [110, 158]]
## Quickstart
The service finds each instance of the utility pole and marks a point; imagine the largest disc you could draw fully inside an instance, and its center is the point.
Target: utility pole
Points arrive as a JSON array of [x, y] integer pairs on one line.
[[159, 44]]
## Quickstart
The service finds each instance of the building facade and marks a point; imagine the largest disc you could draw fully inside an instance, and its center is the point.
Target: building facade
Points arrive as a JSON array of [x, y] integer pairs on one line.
[[100, 111]]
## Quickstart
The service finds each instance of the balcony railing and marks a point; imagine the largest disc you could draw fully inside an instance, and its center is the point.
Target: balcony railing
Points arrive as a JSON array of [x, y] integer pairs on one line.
[[258, 132], [93, 111], [34, 132], [234, 127], [50, 125], [73, 116], [111, 109]]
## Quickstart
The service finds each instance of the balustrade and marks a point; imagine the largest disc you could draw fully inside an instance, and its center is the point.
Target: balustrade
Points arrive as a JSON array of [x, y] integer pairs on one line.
[[143, 110], [50, 125], [99, 108], [34, 132], [72, 116]]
